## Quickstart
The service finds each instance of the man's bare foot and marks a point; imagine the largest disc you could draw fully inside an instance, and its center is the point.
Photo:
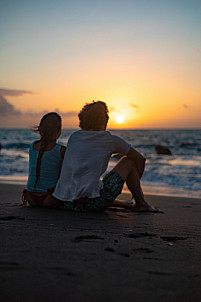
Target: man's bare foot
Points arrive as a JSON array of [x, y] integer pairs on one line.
[[124, 204], [145, 207], [129, 205]]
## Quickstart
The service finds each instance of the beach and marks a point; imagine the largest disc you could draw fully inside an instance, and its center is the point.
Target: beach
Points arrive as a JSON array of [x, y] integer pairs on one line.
[[118, 255]]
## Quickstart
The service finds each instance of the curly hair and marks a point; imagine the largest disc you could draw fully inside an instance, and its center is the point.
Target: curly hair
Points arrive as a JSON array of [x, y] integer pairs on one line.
[[50, 125], [94, 116]]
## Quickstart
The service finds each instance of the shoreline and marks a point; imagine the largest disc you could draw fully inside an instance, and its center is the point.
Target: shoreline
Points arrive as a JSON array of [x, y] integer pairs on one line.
[[148, 190], [55, 255]]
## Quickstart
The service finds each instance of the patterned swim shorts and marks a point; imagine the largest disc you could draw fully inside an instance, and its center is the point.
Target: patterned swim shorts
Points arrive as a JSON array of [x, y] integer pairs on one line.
[[112, 187]]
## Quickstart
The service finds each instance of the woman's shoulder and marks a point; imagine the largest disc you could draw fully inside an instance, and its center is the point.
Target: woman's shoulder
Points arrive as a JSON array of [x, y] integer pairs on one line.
[[61, 149], [35, 145]]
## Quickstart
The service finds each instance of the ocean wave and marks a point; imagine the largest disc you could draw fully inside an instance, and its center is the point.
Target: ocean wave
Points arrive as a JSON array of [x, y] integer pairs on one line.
[[188, 144], [180, 171], [18, 146]]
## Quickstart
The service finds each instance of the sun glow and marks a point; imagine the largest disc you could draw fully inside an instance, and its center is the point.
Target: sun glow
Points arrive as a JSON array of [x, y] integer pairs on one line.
[[119, 119]]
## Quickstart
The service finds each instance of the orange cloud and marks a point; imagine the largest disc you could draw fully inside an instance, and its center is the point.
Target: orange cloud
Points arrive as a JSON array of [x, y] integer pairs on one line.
[[13, 92], [186, 106], [7, 109], [134, 106]]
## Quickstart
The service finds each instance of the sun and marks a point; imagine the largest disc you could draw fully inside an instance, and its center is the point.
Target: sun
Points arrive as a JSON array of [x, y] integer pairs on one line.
[[119, 119]]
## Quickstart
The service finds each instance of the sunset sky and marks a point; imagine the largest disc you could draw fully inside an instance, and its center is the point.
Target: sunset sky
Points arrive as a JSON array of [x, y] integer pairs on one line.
[[143, 58]]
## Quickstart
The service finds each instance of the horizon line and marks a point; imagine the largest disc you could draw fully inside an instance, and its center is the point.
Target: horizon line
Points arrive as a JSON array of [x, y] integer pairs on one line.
[[109, 129]]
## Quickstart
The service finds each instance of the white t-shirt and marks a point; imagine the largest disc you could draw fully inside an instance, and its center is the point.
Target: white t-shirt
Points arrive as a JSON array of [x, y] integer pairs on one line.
[[86, 159]]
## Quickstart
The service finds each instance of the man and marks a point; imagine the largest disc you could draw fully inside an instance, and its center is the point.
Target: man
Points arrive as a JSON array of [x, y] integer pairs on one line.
[[87, 155]]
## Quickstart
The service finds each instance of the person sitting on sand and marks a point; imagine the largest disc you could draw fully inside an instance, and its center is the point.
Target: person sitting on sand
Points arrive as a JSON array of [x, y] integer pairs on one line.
[[45, 159], [86, 159]]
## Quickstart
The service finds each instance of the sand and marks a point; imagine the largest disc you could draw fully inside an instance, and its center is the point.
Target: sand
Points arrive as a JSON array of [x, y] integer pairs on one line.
[[55, 255]]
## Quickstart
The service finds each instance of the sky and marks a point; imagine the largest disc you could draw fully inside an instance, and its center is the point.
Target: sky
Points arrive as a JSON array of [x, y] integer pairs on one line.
[[143, 58]]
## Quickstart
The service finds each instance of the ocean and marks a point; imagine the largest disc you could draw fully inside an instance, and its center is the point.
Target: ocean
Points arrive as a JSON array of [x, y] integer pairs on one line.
[[177, 174]]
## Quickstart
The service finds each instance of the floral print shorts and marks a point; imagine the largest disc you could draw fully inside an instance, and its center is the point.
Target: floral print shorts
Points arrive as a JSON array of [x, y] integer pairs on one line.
[[112, 187]]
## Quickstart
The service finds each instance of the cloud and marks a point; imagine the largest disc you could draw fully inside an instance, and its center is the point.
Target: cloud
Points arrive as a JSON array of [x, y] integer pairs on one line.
[[134, 106], [186, 106], [7, 109], [12, 117], [66, 113], [13, 92], [111, 108]]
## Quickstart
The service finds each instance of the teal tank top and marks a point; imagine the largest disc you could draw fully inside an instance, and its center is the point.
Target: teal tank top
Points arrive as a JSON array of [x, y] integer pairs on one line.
[[49, 170]]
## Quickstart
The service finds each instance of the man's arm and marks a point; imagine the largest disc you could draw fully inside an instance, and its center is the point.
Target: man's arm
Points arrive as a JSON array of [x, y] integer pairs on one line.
[[139, 160]]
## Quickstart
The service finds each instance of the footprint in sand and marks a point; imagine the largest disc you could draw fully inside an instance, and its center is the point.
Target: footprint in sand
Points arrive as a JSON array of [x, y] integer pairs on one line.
[[9, 266], [61, 270], [160, 273], [124, 254], [173, 238], [87, 238], [12, 217], [153, 258], [108, 249], [142, 251], [141, 235]]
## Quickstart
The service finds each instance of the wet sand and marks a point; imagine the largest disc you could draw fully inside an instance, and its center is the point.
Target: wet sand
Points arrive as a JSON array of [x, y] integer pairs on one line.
[[55, 255]]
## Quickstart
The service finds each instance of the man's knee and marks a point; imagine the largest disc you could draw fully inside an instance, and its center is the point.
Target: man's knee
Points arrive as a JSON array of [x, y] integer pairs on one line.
[[128, 162], [124, 167]]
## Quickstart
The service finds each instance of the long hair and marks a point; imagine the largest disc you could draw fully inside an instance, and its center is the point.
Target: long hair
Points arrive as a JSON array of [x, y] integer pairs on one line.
[[49, 126]]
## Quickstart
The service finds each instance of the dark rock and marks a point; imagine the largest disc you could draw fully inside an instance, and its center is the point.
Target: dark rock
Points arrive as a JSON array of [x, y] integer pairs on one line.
[[162, 150]]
